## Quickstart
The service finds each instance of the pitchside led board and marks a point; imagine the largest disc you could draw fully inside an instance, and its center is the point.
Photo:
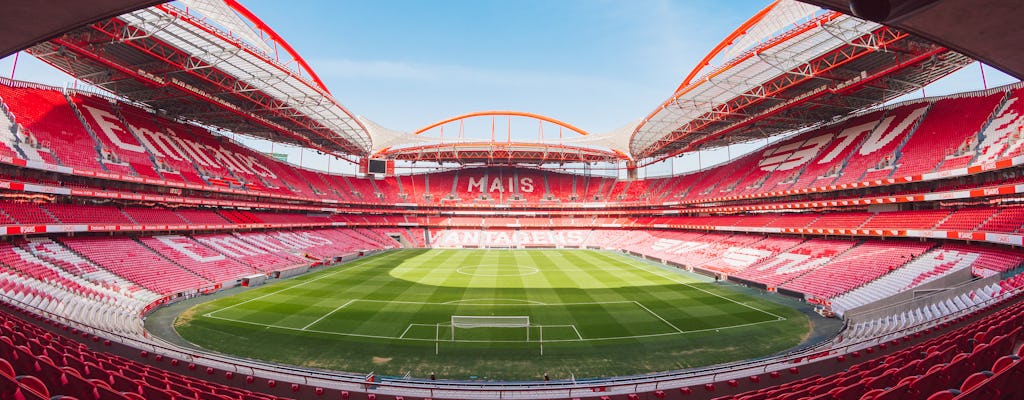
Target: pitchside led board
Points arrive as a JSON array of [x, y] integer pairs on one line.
[[377, 167]]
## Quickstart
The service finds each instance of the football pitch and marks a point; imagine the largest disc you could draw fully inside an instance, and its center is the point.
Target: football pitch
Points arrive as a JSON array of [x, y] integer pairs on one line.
[[495, 314]]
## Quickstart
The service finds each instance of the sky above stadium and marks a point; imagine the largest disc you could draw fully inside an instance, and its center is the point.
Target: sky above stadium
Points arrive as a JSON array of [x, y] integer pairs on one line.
[[596, 64]]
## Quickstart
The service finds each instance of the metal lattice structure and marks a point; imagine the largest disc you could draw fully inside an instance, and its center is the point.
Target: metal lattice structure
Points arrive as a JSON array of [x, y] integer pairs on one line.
[[789, 67], [580, 147], [816, 66], [188, 67]]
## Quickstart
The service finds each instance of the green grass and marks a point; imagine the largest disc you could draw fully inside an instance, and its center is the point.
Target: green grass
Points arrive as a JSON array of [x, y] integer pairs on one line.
[[599, 313]]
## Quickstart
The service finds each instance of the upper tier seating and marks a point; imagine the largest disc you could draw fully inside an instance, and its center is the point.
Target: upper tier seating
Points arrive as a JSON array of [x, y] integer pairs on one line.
[[121, 151], [876, 153], [824, 169], [49, 119], [171, 160], [952, 124], [1003, 135], [914, 138]]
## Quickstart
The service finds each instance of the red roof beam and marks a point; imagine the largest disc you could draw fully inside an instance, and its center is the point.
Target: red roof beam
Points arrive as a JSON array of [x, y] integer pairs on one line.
[[121, 31], [788, 80], [274, 36], [916, 60]]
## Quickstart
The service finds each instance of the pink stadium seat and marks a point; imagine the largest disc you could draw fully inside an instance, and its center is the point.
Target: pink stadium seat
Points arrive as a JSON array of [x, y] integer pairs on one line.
[[126, 257]]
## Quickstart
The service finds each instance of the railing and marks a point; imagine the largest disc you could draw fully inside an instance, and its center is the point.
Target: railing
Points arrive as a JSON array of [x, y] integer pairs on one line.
[[916, 303]]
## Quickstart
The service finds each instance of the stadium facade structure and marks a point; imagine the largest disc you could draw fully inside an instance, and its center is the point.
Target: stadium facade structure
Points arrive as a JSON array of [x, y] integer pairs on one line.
[[859, 208]]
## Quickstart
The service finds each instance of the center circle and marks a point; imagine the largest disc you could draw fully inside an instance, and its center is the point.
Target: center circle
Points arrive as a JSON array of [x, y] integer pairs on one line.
[[497, 270]]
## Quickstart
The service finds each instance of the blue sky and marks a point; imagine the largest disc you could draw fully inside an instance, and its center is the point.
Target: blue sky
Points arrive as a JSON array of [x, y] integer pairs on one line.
[[597, 64]]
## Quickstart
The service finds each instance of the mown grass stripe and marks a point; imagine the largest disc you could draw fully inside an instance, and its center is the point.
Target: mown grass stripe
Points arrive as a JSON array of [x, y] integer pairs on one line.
[[606, 313]]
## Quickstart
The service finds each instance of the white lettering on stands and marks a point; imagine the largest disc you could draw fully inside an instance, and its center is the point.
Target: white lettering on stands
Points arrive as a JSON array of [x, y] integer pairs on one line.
[[665, 244], [476, 183], [526, 185], [264, 241], [793, 155], [882, 135], [232, 246], [184, 246], [480, 184], [109, 127], [742, 257], [258, 167], [496, 186], [159, 143], [227, 159], [846, 138], [473, 238], [195, 151]]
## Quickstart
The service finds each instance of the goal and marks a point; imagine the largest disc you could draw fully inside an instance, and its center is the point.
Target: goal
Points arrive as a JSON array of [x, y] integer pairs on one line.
[[500, 321]]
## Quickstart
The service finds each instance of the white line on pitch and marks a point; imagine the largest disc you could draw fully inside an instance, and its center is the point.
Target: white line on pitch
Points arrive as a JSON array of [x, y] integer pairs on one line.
[[486, 341], [671, 278], [425, 303], [733, 326], [325, 315], [522, 302], [314, 330], [577, 331], [402, 336], [210, 314], [658, 317]]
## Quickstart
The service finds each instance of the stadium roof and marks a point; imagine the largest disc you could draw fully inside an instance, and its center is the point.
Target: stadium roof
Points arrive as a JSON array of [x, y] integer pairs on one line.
[[987, 30], [501, 147], [224, 68], [790, 66], [27, 22]]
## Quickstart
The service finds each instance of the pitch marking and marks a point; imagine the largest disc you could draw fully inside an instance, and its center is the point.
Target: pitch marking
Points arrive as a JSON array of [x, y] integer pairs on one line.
[[361, 264], [493, 299], [289, 328], [577, 332], [658, 317], [676, 280], [531, 271], [325, 315]]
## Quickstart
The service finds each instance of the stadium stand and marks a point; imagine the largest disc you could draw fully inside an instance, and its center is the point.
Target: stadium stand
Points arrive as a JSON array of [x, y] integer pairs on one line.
[[854, 268], [109, 210]]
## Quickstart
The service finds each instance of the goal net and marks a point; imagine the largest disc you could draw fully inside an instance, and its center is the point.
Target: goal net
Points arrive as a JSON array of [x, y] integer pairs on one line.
[[501, 321]]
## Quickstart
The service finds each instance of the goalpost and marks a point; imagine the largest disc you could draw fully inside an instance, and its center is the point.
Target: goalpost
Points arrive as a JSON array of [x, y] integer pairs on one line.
[[499, 321]]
